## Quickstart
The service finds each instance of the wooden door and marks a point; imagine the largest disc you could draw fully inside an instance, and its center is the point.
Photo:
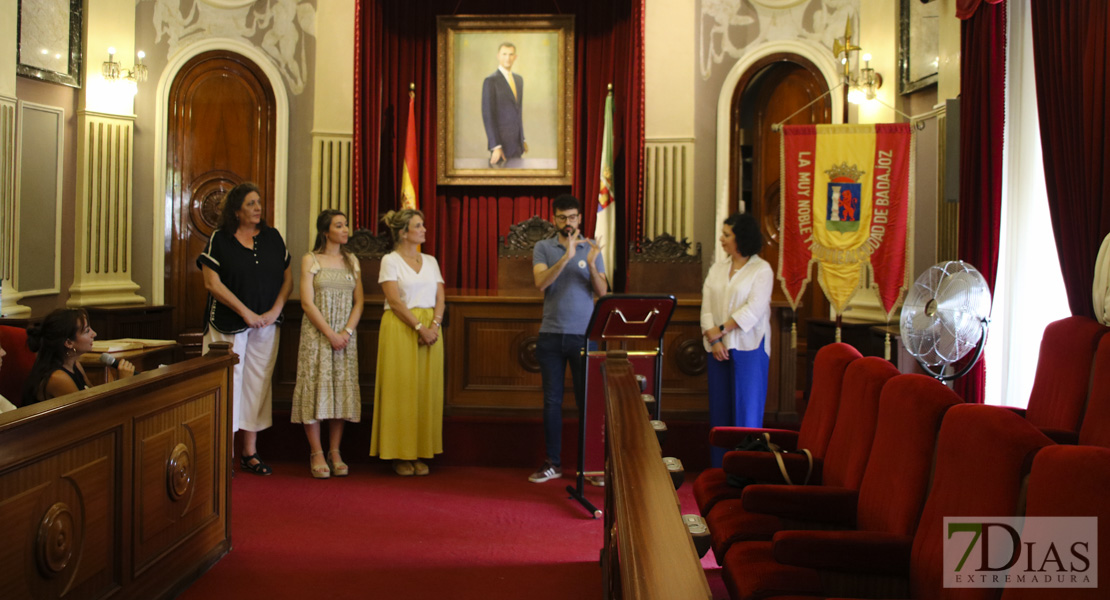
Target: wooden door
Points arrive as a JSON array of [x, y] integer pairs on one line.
[[221, 132], [773, 90]]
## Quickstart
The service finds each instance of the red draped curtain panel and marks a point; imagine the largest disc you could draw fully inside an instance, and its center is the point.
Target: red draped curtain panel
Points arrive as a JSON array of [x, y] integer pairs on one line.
[[982, 112], [395, 44], [1071, 57]]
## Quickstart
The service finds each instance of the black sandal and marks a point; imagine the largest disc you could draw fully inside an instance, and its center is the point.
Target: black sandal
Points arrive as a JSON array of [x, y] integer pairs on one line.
[[258, 468]]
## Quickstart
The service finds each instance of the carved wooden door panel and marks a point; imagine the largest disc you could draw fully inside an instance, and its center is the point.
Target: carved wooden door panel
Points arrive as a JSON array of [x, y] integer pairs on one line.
[[221, 132]]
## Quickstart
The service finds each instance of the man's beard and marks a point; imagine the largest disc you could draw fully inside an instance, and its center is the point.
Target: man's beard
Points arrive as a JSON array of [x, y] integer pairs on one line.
[[566, 231]]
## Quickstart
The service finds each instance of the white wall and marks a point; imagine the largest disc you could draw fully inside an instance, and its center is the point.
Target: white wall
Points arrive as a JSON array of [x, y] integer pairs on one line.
[[335, 67], [8, 16], [669, 57]]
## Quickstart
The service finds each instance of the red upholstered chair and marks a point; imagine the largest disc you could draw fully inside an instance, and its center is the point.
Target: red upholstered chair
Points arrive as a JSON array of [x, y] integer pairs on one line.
[[1063, 377], [1070, 481], [1095, 430], [983, 454], [17, 364], [816, 429], [739, 519]]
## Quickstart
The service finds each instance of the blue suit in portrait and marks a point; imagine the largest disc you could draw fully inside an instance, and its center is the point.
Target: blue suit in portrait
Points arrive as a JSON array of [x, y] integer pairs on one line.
[[501, 114]]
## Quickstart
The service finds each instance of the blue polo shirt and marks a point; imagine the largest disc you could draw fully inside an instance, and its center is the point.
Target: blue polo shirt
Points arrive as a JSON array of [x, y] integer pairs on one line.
[[569, 301]]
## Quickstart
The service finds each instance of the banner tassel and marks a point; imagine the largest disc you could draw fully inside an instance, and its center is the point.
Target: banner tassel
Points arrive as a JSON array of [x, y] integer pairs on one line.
[[793, 335], [838, 334], [886, 347]]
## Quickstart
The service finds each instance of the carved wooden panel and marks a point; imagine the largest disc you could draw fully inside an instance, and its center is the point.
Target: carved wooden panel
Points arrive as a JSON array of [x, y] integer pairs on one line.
[[58, 515], [175, 472], [491, 354]]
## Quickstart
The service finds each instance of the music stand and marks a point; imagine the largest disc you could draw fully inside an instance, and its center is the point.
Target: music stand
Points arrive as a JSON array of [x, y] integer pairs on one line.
[[618, 318]]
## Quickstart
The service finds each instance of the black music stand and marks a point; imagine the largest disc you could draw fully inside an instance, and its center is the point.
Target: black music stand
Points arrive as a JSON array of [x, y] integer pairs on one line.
[[625, 318]]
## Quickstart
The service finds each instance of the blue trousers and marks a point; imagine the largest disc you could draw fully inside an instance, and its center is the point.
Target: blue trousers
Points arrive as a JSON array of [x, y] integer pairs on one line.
[[555, 352], [737, 392]]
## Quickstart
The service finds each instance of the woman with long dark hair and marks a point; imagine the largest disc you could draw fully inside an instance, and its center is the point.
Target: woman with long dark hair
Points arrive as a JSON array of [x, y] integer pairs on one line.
[[58, 343], [246, 271], [736, 324], [327, 363], [408, 390]]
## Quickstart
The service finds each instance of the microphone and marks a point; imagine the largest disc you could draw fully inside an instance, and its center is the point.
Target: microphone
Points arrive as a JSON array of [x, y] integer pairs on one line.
[[108, 359]]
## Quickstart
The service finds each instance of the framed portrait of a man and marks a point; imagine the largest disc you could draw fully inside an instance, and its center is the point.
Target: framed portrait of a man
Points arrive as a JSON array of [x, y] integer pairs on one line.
[[505, 98]]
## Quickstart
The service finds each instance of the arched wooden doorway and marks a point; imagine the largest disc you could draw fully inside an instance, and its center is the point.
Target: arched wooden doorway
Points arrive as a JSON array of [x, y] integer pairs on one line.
[[779, 88], [221, 131]]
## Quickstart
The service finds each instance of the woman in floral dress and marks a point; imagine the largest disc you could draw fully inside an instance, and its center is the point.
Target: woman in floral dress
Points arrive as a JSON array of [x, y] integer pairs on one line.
[[327, 364]]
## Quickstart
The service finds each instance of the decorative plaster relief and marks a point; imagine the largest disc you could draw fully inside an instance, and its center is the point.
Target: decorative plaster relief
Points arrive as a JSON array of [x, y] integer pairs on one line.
[[728, 28], [278, 27]]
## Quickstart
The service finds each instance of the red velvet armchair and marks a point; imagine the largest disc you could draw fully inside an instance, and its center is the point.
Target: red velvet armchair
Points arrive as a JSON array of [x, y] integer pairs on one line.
[[982, 457], [1063, 377], [764, 509], [816, 428], [1070, 481]]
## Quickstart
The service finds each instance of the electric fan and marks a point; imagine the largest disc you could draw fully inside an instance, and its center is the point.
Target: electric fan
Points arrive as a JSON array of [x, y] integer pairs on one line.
[[945, 316]]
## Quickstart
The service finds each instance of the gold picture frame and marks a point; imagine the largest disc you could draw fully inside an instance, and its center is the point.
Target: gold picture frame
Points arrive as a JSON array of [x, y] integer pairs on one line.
[[477, 105]]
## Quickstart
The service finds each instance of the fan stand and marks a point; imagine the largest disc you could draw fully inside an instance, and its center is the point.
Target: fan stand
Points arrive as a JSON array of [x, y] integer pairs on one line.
[[967, 368]]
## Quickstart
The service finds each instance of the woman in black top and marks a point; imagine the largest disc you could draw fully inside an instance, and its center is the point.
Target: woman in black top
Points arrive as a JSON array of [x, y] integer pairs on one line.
[[59, 341], [246, 271]]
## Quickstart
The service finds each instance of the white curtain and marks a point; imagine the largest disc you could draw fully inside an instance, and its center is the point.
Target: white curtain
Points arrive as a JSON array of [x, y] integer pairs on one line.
[[1029, 291]]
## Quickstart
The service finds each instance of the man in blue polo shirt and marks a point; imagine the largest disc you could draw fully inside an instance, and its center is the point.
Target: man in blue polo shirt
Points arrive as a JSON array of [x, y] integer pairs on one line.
[[569, 270]]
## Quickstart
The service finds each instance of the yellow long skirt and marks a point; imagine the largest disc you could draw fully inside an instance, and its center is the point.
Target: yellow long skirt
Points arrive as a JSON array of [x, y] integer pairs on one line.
[[408, 393]]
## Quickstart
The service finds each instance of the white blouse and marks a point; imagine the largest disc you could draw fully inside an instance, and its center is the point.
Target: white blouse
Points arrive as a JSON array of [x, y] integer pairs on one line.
[[418, 288], [746, 298]]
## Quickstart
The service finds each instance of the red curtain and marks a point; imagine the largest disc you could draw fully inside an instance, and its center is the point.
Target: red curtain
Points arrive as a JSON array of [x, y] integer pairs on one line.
[[982, 112], [1071, 57], [395, 44]]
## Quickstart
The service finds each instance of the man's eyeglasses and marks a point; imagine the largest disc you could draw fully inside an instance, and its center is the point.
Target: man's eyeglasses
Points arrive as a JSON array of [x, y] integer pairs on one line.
[[565, 218]]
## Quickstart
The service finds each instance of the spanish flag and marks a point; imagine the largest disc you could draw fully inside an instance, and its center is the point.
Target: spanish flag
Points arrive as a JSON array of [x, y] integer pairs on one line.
[[408, 172]]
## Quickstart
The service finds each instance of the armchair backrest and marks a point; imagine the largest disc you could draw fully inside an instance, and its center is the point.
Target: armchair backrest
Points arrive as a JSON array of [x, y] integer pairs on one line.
[[1063, 376], [897, 477], [824, 398], [850, 444], [17, 364], [514, 255], [1070, 481], [1096, 420], [983, 456]]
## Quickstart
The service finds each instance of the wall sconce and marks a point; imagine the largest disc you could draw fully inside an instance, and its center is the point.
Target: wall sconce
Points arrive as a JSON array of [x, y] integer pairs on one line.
[[112, 71], [863, 83]]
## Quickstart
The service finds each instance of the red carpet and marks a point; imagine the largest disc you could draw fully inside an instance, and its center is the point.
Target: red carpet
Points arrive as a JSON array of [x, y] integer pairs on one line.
[[460, 533]]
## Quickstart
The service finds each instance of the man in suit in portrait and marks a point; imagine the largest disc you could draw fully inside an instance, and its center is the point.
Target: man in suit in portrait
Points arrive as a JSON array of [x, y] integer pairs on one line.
[[502, 98]]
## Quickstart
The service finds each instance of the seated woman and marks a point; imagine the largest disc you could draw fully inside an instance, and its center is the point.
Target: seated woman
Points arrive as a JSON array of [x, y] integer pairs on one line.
[[59, 341], [5, 406]]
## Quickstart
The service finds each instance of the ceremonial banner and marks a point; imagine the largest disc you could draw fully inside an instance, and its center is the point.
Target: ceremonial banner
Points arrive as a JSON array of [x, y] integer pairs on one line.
[[846, 201], [605, 230], [408, 171]]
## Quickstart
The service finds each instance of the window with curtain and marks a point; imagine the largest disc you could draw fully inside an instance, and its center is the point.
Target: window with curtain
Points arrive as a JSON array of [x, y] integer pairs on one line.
[[1029, 291]]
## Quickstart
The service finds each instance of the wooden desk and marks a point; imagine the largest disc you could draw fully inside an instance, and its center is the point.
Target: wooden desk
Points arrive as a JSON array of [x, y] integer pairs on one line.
[[121, 490], [144, 359], [490, 365]]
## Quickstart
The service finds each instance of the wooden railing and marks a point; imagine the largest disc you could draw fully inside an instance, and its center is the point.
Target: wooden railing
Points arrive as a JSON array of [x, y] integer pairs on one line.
[[648, 553], [120, 490]]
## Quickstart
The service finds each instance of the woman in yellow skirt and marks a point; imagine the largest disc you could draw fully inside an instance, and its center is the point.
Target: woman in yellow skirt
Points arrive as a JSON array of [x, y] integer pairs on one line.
[[408, 393]]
